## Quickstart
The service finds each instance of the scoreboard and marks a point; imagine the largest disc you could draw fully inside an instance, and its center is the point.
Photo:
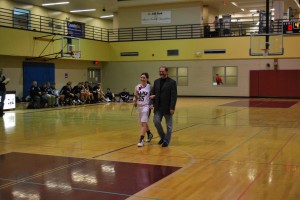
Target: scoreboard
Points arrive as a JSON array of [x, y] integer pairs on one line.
[[291, 27]]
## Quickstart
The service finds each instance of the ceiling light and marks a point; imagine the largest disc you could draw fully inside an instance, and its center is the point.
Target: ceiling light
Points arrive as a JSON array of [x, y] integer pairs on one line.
[[106, 16], [233, 3], [253, 11], [242, 9], [86, 10], [57, 3]]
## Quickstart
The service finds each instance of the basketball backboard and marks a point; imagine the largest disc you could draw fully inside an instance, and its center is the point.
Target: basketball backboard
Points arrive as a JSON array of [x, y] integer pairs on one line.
[[70, 47], [266, 44]]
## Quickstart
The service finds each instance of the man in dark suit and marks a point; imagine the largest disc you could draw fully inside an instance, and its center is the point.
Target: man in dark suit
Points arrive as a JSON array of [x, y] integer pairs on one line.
[[165, 91]]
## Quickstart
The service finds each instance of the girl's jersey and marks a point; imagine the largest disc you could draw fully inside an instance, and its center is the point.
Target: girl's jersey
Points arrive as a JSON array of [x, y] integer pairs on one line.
[[143, 94]]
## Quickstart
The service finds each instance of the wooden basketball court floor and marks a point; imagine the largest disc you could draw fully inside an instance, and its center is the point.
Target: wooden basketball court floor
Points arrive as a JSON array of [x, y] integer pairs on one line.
[[222, 148]]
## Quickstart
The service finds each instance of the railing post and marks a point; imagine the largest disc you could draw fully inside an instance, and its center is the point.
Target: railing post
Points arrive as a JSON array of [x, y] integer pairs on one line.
[[93, 32], [107, 32], [101, 33], [65, 27], [52, 25], [146, 33]]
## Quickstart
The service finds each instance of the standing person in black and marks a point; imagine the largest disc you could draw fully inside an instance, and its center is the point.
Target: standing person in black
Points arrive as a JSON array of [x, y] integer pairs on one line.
[[165, 91], [3, 82], [217, 26]]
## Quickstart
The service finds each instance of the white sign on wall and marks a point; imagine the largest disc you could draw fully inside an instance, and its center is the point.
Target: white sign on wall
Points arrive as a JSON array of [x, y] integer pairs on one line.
[[156, 17]]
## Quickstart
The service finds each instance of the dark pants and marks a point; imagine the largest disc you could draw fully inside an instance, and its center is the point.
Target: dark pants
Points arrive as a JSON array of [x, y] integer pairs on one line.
[[2, 98]]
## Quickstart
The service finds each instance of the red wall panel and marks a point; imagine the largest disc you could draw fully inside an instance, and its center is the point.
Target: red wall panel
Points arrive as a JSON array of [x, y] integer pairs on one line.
[[292, 84], [267, 83], [282, 83], [275, 83], [254, 83]]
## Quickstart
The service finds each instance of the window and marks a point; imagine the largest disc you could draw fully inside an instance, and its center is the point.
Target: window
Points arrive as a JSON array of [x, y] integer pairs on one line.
[[179, 74], [225, 75], [21, 18]]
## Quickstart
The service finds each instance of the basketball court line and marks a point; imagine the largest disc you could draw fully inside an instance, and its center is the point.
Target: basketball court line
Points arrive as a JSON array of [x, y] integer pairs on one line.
[[113, 151]]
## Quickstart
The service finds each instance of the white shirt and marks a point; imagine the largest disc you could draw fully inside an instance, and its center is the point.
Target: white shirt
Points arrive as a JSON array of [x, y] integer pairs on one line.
[[143, 93]]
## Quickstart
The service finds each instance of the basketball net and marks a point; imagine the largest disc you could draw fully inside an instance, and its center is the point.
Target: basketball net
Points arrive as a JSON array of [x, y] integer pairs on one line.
[[265, 52], [75, 54]]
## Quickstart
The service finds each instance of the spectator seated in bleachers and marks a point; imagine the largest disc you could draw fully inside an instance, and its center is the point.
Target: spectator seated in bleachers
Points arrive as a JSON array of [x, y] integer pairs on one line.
[[79, 97], [124, 95], [88, 92], [35, 96], [98, 93], [49, 99], [66, 94], [109, 95], [54, 92]]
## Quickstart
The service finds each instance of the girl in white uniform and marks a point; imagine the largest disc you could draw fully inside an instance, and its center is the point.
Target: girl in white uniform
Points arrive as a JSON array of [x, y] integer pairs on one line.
[[141, 101]]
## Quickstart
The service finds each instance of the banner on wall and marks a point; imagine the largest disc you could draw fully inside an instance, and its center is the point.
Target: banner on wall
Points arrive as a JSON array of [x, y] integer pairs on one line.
[[156, 17], [76, 29]]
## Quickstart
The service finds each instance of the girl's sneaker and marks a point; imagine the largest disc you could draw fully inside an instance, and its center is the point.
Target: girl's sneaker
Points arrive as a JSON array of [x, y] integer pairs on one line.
[[150, 136], [141, 143]]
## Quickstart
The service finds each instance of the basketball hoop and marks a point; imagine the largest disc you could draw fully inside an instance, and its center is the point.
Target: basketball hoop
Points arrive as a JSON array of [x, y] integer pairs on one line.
[[76, 54]]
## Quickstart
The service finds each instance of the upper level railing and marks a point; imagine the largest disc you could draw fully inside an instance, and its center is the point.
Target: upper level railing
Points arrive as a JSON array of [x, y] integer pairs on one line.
[[189, 31]]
